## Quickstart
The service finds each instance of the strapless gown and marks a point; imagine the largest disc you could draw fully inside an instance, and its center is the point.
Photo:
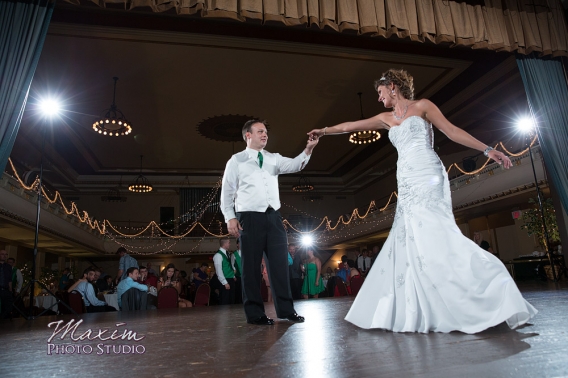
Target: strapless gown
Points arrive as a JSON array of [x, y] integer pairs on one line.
[[309, 286], [428, 275]]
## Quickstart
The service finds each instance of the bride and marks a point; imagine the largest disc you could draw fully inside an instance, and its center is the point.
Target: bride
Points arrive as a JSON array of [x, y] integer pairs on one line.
[[428, 275]]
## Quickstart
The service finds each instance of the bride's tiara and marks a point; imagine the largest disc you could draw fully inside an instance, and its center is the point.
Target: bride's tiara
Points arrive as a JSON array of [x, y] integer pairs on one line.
[[382, 78]]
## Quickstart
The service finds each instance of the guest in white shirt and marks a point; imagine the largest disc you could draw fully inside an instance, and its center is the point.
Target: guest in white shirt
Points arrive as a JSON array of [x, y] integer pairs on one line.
[[364, 262], [250, 201], [225, 272]]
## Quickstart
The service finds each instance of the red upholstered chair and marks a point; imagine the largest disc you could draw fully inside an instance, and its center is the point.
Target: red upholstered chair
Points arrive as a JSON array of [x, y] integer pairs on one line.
[[167, 298], [76, 302], [202, 295], [356, 282], [340, 288]]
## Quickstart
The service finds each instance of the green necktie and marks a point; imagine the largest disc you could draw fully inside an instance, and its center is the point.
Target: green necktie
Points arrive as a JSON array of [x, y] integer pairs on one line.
[[259, 159]]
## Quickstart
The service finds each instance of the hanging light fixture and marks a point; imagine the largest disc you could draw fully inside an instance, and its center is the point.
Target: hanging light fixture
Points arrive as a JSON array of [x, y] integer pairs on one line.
[[303, 185], [364, 137], [141, 185], [114, 194], [113, 122]]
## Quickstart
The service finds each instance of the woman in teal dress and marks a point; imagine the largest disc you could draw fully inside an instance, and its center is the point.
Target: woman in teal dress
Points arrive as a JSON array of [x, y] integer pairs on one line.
[[313, 283]]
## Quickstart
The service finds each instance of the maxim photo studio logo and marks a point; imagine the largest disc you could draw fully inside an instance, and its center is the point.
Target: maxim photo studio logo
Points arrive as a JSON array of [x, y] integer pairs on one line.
[[99, 342]]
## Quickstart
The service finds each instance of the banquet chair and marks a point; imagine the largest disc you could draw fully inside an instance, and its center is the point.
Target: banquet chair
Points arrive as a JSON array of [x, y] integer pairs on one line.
[[167, 298], [202, 295], [76, 302], [330, 288], [356, 282], [341, 289], [63, 296]]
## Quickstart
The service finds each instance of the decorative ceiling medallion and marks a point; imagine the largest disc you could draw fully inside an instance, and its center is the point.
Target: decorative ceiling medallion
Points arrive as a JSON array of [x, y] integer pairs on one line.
[[224, 128]]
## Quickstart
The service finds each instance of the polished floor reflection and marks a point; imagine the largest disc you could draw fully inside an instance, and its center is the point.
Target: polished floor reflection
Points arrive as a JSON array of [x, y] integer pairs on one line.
[[217, 342]]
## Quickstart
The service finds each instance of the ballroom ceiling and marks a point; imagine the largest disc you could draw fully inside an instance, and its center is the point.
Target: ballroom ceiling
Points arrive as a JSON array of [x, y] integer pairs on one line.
[[176, 73]]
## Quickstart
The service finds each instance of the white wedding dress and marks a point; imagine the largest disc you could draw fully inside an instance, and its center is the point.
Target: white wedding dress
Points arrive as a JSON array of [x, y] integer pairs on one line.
[[428, 275]]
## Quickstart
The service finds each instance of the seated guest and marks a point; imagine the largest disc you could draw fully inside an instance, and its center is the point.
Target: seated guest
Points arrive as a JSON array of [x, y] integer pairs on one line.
[[353, 271], [105, 283], [84, 287], [128, 283], [94, 282], [184, 283], [200, 276], [146, 278], [343, 270], [167, 280], [151, 281]]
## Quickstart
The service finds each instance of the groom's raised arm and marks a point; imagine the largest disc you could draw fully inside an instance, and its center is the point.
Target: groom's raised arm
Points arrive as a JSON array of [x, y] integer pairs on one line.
[[287, 165]]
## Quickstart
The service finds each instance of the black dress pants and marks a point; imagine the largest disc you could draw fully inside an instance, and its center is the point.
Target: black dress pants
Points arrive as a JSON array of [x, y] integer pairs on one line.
[[296, 286], [227, 296], [264, 232], [238, 290], [6, 301]]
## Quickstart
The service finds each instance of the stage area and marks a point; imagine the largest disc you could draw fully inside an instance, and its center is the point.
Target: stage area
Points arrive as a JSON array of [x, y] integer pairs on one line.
[[217, 342]]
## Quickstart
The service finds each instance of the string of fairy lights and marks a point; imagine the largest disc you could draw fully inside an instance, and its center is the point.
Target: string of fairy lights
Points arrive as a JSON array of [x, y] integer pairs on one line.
[[160, 239]]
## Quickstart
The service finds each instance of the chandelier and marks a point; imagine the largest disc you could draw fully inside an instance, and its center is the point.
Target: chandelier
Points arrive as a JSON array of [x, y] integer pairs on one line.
[[113, 122], [303, 185], [141, 185], [364, 137]]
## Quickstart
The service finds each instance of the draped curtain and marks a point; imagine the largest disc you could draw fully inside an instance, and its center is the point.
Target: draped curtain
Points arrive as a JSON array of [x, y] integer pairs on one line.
[[522, 26], [23, 27], [547, 93]]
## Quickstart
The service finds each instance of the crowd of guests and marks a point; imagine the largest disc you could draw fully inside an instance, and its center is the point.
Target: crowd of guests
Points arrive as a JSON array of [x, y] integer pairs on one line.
[[305, 272]]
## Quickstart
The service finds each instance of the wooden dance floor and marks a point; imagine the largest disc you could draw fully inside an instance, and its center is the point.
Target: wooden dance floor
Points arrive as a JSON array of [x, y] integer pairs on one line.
[[217, 342]]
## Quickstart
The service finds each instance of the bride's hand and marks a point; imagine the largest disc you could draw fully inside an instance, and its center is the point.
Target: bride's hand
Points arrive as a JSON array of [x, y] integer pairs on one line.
[[500, 158]]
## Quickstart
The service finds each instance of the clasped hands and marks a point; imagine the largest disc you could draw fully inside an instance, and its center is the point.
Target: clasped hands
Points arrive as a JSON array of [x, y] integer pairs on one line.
[[233, 225]]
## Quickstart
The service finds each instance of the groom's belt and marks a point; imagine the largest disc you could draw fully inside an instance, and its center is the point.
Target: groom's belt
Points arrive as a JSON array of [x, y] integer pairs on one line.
[[270, 209]]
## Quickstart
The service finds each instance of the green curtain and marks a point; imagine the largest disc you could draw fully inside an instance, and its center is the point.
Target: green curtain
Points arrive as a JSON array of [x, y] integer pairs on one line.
[[547, 93], [23, 27]]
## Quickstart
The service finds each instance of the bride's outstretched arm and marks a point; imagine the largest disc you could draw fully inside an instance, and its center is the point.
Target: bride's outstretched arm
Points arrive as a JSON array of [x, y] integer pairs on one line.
[[373, 123], [458, 135]]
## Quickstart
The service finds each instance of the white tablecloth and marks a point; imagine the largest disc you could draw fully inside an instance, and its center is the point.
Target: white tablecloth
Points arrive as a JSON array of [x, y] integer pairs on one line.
[[112, 300], [43, 301]]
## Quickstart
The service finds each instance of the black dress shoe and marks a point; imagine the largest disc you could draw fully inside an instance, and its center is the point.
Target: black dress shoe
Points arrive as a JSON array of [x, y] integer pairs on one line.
[[295, 318], [263, 320]]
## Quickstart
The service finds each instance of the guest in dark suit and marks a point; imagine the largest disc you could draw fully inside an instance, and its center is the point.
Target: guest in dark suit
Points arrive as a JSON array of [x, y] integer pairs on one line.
[[250, 201], [237, 264], [296, 279], [6, 297]]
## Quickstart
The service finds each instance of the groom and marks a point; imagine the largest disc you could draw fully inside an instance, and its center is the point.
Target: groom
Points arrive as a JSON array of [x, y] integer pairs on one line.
[[250, 201]]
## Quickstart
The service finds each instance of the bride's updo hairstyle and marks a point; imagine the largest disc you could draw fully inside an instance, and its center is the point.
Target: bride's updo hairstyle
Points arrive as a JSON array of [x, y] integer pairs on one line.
[[401, 79]]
